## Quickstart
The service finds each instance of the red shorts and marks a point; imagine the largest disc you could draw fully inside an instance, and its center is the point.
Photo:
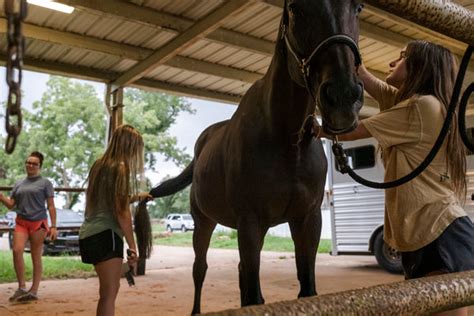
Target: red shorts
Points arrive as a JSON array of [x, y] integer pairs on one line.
[[28, 227]]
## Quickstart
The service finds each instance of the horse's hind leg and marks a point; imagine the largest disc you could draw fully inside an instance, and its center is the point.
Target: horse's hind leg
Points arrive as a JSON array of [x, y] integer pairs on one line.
[[203, 228], [306, 234], [250, 237]]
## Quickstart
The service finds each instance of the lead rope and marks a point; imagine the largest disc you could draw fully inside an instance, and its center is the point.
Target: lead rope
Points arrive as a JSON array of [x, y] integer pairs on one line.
[[341, 158], [462, 117]]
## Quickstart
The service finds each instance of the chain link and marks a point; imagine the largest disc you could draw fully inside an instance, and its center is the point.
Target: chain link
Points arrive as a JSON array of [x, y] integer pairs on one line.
[[15, 11]]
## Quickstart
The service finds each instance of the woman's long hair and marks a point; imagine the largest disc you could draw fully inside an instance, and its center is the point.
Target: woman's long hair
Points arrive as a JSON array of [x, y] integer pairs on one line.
[[431, 70], [116, 175]]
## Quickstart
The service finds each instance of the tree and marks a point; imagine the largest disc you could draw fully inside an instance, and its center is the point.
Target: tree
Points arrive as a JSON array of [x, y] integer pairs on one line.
[[153, 114], [68, 126]]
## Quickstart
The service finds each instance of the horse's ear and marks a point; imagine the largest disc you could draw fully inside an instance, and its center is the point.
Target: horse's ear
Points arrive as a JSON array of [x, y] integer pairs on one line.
[[284, 21]]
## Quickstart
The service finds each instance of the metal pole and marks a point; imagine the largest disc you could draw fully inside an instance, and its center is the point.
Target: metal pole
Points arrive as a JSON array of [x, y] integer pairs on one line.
[[442, 16]]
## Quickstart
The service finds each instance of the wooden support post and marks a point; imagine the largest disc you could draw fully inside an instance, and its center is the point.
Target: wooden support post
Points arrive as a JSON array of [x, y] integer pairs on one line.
[[114, 106]]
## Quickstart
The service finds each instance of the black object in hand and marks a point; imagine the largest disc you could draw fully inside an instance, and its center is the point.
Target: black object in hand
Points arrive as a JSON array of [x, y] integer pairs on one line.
[[129, 273], [130, 279]]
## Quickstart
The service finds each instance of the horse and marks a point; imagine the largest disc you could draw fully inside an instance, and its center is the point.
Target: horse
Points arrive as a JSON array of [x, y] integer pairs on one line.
[[263, 167]]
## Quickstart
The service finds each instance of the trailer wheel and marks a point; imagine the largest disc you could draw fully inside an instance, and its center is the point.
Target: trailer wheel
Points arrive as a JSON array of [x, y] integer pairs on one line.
[[387, 257]]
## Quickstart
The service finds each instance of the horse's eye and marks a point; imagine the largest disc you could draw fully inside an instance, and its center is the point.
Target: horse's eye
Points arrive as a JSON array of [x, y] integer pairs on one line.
[[360, 7], [293, 8]]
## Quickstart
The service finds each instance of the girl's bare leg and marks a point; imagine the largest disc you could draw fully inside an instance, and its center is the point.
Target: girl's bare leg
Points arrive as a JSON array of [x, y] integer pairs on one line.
[[109, 273]]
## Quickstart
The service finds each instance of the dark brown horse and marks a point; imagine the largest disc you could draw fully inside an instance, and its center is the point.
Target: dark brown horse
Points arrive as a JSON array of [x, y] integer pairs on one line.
[[263, 167]]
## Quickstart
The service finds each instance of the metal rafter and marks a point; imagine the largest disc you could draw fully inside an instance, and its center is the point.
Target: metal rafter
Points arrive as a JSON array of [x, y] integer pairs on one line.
[[195, 32], [130, 52], [85, 73], [169, 23], [105, 76]]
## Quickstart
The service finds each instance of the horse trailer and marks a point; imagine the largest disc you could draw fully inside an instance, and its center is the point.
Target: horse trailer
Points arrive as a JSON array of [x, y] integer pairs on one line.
[[357, 211]]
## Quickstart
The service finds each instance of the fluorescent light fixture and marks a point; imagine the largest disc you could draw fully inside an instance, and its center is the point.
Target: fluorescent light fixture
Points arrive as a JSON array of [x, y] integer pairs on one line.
[[52, 5]]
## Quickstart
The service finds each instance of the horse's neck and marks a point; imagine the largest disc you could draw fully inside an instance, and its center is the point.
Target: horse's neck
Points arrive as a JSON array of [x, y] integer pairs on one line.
[[287, 105]]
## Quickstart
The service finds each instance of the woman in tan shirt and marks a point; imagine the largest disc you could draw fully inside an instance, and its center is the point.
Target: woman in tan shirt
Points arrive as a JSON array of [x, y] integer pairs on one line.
[[424, 218]]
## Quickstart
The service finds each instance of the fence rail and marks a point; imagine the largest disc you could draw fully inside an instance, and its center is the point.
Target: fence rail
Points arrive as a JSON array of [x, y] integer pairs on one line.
[[413, 297]]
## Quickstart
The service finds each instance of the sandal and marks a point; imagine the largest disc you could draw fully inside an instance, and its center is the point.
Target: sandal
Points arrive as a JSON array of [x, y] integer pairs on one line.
[[18, 293], [27, 297]]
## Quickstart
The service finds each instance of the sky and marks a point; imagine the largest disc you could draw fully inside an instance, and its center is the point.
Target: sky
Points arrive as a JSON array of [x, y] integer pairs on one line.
[[186, 129]]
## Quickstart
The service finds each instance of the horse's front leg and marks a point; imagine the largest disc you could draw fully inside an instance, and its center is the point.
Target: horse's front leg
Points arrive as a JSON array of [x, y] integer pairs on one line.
[[203, 228], [250, 238], [306, 233]]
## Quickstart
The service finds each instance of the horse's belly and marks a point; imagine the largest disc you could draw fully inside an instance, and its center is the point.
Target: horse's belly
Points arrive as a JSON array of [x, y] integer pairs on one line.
[[209, 187]]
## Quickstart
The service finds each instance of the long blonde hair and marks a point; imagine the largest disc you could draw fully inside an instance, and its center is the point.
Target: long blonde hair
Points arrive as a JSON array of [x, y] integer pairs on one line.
[[116, 175], [431, 70]]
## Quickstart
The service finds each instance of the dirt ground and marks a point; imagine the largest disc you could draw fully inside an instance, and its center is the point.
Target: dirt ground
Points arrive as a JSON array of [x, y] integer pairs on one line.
[[167, 287]]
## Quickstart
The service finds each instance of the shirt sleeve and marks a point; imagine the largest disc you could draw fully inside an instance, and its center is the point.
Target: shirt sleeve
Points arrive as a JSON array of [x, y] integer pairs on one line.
[[384, 94], [14, 190], [49, 191], [396, 126]]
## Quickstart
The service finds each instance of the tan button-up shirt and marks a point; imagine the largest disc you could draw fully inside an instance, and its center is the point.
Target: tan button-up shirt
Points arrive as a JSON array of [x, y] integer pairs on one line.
[[417, 212]]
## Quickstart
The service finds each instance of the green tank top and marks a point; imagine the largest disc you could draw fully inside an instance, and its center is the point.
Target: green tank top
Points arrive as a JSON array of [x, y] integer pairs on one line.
[[101, 217], [102, 220]]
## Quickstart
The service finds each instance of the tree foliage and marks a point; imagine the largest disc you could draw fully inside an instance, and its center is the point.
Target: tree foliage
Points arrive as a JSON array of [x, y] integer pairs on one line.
[[68, 126]]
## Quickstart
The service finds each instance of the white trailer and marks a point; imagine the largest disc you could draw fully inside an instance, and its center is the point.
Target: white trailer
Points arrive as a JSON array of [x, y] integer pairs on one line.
[[357, 211]]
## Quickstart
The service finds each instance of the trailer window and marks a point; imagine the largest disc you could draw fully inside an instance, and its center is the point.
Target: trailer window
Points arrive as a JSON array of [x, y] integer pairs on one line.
[[362, 157]]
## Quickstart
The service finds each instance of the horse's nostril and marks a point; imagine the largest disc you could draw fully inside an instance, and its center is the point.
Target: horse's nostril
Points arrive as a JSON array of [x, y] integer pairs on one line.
[[328, 91]]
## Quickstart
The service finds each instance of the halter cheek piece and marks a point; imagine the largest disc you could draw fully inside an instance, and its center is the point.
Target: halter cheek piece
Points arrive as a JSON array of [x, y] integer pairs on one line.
[[304, 63]]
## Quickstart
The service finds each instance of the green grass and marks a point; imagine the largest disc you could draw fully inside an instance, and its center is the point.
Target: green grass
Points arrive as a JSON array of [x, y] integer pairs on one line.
[[229, 241], [60, 267], [70, 267]]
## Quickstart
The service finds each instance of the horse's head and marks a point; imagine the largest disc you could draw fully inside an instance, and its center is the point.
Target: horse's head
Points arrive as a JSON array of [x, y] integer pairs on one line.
[[322, 55]]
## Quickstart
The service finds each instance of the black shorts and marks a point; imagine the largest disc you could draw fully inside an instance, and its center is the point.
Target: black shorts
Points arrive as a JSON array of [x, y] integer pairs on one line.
[[101, 247], [452, 251]]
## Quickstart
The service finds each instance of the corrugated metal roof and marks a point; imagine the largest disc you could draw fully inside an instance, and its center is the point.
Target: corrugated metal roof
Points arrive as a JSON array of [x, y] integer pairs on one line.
[[110, 40]]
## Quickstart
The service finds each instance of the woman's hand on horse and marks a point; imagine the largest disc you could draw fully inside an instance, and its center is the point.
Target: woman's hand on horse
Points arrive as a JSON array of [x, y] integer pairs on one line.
[[318, 131], [141, 196]]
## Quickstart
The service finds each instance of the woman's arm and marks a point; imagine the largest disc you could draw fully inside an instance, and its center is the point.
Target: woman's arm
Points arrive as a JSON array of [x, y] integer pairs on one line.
[[7, 201], [52, 215], [371, 83], [124, 219]]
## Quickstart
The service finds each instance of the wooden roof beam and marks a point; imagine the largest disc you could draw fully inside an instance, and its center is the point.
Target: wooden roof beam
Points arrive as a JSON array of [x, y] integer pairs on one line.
[[200, 29]]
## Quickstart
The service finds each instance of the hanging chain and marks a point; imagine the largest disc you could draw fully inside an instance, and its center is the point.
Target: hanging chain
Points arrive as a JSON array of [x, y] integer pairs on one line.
[[15, 16]]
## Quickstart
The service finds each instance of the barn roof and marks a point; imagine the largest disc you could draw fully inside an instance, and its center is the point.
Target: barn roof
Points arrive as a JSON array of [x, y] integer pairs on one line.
[[212, 49]]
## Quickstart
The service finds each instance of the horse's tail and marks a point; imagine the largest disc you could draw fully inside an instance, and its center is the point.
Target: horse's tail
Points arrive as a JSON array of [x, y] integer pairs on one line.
[[143, 230], [176, 184]]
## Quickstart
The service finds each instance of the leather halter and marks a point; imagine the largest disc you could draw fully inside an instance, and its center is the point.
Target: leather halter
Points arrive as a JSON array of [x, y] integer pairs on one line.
[[304, 63]]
